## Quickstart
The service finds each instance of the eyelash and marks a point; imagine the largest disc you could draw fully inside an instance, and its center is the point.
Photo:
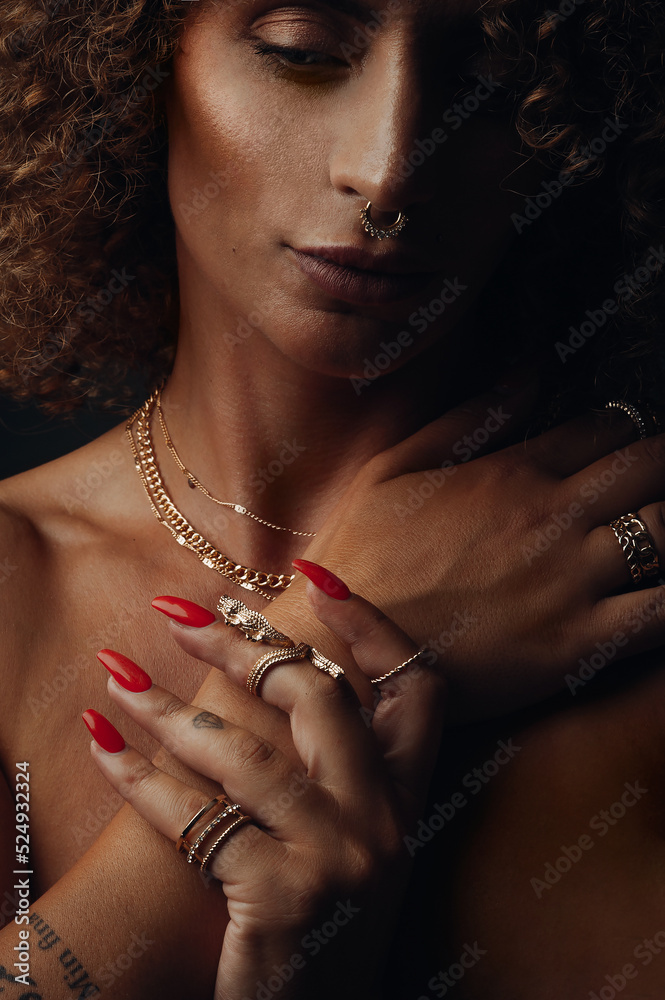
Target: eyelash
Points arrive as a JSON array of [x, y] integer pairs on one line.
[[279, 55]]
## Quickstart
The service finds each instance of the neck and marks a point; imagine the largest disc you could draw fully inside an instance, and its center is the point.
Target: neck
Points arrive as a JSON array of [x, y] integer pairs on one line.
[[284, 441]]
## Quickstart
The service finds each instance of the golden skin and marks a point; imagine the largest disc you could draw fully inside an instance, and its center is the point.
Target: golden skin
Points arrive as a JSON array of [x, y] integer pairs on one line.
[[308, 155]]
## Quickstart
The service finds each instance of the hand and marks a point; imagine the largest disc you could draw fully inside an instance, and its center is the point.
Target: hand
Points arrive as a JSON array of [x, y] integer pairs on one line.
[[325, 848], [505, 564]]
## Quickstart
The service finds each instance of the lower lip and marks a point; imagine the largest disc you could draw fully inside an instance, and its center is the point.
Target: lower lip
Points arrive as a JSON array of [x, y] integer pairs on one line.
[[360, 287]]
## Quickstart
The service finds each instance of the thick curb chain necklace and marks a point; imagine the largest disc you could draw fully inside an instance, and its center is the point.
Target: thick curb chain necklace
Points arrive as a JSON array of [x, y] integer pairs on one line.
[[184, 533]]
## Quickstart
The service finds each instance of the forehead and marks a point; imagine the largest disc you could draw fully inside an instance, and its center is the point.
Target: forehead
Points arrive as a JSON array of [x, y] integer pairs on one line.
[[440, 12]]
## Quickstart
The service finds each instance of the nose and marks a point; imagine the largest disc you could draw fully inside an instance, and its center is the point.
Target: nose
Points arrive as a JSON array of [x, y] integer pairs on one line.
[[381, 121]]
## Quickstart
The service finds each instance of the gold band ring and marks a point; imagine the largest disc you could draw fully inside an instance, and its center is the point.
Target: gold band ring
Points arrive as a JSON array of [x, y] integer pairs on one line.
[[636, 412], [195, 849], [637, 546], [398, 669]]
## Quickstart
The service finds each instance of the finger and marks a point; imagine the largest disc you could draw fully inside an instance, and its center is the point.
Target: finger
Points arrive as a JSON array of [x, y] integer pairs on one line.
[[325, 707], [605, 558], [623, 481], [166, 803], [250, 769], [408, 716], [467, 431], [633, 622], [577, 443]]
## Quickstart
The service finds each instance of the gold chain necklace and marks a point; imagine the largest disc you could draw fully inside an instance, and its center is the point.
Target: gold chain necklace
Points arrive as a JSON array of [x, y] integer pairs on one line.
[[168, 514], [195, 484]]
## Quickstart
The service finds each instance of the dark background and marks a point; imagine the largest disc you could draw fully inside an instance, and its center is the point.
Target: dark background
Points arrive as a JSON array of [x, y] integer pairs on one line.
[[29, 438]]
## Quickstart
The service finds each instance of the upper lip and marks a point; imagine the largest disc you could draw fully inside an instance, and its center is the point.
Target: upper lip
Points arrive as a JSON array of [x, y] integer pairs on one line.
[[392, 262]]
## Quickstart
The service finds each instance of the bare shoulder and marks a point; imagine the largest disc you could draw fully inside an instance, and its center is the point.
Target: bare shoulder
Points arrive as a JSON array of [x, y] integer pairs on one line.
[[50, 517]]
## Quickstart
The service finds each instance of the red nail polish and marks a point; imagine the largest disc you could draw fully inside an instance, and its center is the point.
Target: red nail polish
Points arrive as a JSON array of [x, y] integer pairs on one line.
[[127, 673], [323, 579], [185, 612], [103, 732]]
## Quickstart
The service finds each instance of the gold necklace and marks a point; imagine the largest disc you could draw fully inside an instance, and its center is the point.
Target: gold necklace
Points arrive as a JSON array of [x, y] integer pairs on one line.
[[195, 484], [184, 533]]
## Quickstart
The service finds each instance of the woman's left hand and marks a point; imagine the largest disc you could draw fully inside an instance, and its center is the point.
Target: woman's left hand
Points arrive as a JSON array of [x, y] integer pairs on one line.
[[314, 882]]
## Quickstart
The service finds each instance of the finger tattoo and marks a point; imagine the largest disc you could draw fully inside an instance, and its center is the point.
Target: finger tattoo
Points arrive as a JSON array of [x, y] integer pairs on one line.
[[206, 720]]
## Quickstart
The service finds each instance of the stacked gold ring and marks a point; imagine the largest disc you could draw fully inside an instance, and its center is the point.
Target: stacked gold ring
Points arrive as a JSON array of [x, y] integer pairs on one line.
[[637, 546], [195, 850], [257, 628]]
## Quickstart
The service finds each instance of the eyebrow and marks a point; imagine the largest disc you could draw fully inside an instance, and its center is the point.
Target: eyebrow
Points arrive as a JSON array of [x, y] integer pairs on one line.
[[361, 10]]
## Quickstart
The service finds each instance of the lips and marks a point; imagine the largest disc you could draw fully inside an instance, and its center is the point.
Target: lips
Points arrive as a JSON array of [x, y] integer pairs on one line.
[[358, 286]]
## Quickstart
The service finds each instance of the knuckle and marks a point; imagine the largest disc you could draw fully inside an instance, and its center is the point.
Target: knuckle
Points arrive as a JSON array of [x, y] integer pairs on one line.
[[655, 519], [169, 709], [364, 626], [246, 750], [653, 449], [137, 777]]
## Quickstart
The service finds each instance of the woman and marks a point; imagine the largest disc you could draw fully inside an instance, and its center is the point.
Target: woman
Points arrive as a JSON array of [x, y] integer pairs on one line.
[[274, 399]]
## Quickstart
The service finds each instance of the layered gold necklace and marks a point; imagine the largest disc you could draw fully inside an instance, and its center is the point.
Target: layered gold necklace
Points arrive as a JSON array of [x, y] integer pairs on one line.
[[168, 514]]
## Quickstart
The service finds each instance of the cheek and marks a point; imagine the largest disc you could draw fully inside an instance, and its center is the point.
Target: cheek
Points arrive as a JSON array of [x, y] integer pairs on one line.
[[225, 116]]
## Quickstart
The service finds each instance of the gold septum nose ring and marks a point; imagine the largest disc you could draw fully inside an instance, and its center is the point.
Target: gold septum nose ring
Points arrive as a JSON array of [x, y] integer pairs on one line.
[[381, 232]]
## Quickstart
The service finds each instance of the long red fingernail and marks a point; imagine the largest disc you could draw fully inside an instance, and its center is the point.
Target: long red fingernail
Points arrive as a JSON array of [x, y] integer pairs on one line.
[[127, 673], [103, 731], [185, 612], [323, 579]]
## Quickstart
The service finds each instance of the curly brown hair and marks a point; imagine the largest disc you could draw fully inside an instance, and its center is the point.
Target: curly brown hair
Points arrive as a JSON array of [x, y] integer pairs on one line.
[[88, 287]]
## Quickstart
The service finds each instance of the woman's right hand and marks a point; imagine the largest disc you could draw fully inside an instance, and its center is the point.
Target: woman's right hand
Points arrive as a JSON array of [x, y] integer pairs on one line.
[[505, 563], [314, 888]]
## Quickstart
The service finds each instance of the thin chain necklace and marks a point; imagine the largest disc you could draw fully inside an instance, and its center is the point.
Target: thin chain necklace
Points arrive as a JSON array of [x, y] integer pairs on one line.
[[168, 514], [195, 484]]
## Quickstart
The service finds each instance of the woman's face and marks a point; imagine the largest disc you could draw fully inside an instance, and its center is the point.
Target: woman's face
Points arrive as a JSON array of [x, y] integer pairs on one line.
[[271, 153]]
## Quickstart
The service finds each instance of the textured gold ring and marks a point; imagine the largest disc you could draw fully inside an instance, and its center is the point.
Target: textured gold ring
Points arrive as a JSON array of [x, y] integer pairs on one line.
[[253, 624], [400, 667], [636, 413], [637, 546]]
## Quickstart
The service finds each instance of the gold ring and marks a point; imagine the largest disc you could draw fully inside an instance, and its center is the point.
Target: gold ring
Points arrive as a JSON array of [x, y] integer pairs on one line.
[[255, 626], [398, 669], [636, 415], [182, 839], [637, 546], [195, 849], [271, 659]]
